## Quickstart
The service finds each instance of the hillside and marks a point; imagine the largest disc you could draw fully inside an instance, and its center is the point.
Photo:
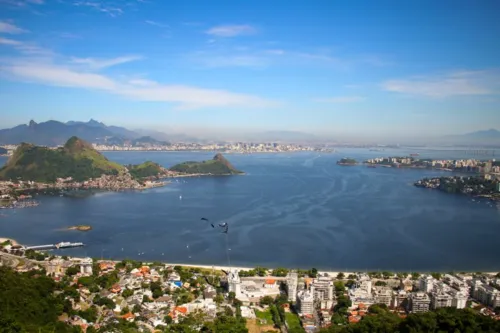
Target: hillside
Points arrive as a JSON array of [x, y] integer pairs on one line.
[[77, 159], [146, 169], [216, 166]]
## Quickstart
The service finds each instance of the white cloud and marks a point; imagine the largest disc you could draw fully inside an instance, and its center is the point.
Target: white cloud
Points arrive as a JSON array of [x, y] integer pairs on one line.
[[103, 63], [185, 97], [459, 83], [8, 28], [156, 24], [340, 99], [275, 52], [231, 30], [214, 61], [111, 11]]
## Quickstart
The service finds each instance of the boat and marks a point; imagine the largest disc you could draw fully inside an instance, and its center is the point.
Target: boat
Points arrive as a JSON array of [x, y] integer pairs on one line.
[[415, 154]]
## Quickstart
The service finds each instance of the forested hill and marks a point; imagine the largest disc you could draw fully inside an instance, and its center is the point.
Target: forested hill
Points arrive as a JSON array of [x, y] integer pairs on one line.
[[77, 159], [219, 165]]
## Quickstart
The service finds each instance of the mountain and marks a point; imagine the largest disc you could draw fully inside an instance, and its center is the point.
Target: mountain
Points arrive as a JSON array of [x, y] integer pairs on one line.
[[53, 133], [146, 170], [218, 166], [487, 134], [76, 159], [484, 138]]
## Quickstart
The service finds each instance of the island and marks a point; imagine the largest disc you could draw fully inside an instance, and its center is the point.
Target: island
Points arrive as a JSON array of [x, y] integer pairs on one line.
[[479, 186], [80, 227], [218, 166], [347, 161]]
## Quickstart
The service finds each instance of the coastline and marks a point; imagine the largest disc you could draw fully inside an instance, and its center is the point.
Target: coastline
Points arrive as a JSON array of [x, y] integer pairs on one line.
[[13, 241]]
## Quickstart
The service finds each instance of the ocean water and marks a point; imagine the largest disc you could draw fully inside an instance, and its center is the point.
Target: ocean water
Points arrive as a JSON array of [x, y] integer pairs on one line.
[[292, 210]]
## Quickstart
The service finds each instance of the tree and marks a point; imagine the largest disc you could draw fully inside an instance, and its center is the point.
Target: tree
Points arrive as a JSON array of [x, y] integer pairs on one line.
[[380, 283], [387, 275], [402, 275], [351, 276], [168, 320], [313, 272], [218, 299], [437, 276], [281, 272], [260, 271], [127, 293], [415, 276], [73, 270], [340, 276], [266, 300]]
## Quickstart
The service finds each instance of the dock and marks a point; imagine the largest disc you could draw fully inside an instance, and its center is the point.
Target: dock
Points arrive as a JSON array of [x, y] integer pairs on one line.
[[61, 245]]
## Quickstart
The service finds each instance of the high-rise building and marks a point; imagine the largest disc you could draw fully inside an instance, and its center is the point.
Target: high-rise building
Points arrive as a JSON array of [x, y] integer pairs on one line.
[[234, 282], [305, 302], [426, 283], [441, 300], [383, 295], [291, 286], [322, 289], [419, 302]]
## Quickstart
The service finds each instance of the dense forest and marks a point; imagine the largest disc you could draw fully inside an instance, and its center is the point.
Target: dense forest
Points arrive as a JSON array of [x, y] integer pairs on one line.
[[144, 170], [217, 166]]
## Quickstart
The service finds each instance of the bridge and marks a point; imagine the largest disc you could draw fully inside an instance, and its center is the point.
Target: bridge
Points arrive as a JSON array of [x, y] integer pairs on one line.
[[61, 245]]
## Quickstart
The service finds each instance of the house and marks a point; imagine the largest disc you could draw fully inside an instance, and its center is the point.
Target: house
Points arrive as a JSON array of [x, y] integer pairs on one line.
[[116, 289], [128, 317]]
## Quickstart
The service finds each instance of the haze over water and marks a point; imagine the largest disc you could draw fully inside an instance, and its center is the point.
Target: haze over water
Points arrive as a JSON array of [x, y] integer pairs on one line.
[[291, 210]]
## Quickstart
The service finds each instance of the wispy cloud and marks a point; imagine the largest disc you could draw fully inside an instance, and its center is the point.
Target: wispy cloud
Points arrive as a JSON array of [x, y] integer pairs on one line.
[[69, 73], [211, 60], [21, 3], [156, 24], [340, 99], [110, 10], [231, 30], [8, 28], [104, 63], [459, 83], [25, 47]]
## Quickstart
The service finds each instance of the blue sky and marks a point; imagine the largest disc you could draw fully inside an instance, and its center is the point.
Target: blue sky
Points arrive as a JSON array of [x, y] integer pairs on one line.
[[353, 68]]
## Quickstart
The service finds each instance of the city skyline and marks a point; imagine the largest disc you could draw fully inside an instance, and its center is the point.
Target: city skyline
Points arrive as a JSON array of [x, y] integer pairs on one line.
[[352, 69]]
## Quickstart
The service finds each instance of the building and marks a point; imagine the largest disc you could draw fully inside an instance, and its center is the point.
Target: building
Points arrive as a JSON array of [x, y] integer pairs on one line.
[[419, 302], [426, 283], [234, 282], [322, 289], [441, 300], [459, 299], [383, 295], [399, 299], [86, 266], [305, 302], [485, 294], [291, 286]]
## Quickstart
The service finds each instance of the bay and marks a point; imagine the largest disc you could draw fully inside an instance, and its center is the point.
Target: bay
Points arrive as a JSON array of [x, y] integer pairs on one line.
[[290, 210]]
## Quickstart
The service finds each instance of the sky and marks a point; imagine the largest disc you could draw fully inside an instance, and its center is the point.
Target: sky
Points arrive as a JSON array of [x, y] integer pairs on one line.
[[336, 68]]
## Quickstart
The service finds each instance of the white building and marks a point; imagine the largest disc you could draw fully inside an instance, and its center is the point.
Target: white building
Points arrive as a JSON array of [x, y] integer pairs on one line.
[[419, 302], [305, 302], [426, 283], [383, 295], [234, 282], [86, 266], [441, 300], [322, 289], [291, 286]]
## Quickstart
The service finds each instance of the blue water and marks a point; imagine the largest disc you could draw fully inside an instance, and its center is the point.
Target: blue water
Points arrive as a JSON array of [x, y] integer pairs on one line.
[[292, 210]]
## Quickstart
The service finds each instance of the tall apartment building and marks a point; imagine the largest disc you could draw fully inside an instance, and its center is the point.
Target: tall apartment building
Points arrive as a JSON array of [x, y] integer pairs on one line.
[[485, 294], [305, 302], [419, 302], [234, 282], [426, 283], [291, 286], [322, 289], [383, 295], [441, 300]]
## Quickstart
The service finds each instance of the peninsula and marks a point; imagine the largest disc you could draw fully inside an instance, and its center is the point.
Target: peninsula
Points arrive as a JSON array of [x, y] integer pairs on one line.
[[480, 186], [218, 166], [347, 161], [463, 165]]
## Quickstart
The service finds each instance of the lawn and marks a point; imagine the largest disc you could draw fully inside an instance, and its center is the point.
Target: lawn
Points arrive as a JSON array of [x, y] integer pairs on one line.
[[292, 320], [265, 317]]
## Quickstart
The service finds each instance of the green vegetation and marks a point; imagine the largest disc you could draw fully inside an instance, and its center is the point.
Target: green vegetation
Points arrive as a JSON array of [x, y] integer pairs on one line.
[[145, 170], [216, 166], [264, 316], [347, 161], [441, 320], [77, 159], [293, 322], [28, 303]]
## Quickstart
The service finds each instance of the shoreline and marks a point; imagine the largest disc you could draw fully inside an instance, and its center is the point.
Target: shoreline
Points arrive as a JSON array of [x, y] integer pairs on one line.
[[13, 241]]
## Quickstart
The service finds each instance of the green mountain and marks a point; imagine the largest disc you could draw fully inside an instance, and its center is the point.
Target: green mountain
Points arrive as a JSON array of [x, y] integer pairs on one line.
[[146, 169], [217, 166], [77, 159]]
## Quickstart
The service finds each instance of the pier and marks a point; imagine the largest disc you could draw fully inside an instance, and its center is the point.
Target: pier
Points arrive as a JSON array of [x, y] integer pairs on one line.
[[61, 245]]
